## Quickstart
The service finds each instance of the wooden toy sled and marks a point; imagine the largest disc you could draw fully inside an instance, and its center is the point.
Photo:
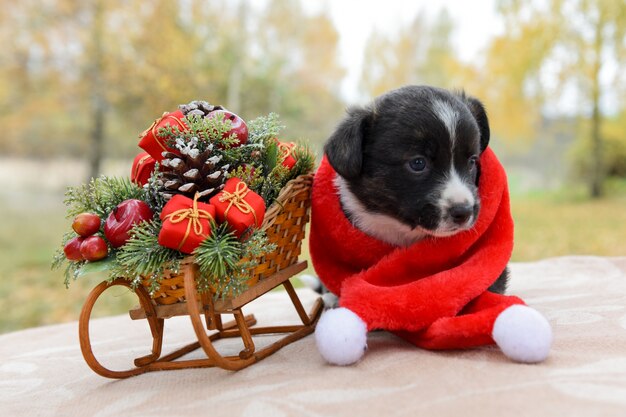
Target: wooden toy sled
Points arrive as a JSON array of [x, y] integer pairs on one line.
[[284, 224]]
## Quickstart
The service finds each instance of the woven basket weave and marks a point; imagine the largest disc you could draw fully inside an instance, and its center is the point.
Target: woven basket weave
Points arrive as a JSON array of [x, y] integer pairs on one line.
[[284, 224]]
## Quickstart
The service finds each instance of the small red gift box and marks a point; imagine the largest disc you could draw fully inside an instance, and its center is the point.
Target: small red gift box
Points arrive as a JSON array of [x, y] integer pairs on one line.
[[186, 223], [285, 154], [241, 207], [143, 165], [152, 143]]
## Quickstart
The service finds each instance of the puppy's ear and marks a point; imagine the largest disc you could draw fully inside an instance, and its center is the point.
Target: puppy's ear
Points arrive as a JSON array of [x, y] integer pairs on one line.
[[344, 148], [480, 114]]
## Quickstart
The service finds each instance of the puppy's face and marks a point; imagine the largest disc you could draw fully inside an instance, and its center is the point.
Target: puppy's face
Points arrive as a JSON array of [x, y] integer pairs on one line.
[[410, 162]]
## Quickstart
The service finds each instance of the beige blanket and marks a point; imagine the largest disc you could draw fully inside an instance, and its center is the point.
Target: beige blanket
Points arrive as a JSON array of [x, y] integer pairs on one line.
[[42, 372]]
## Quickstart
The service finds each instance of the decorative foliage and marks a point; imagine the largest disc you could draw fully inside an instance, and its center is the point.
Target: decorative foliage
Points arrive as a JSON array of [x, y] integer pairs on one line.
[[305, 161], [207, 155], [264, 128], [250, 175], [142, 256], [257, 245], [101, 195], [276, 175], [217, 258], [202, 132], [225, 263]]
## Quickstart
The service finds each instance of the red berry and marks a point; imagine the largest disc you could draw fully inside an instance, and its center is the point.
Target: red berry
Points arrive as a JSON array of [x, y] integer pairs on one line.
[[86, 224], [94, 248], [72, 249]]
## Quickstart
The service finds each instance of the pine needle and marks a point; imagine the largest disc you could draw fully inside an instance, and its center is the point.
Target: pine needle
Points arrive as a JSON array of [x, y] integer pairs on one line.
[[217, 257], [264, 128], [100, 196], [142, 256]]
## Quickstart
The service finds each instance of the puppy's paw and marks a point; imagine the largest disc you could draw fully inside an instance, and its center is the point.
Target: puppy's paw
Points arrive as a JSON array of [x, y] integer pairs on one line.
[[523, 334], [312, 282], [341, 336], [330, 300]]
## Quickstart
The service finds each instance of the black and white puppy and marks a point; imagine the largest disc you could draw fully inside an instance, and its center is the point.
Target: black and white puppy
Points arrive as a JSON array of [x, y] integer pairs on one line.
[[407, 165]]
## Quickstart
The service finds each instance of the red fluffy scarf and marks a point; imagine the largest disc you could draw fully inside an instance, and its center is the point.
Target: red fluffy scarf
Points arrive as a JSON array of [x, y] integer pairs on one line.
[[408, 289]]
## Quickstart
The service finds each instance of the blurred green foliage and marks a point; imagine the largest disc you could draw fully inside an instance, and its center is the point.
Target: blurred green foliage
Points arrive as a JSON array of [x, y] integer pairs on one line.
[[613, 150], [56, 69]]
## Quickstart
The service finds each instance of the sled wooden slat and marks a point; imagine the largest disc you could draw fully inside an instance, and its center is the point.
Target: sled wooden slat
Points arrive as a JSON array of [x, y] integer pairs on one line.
[[241, 327], [165, 311]]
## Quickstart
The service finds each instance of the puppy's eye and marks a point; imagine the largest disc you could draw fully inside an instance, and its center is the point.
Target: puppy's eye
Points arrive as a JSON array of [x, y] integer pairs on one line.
[[472, 161], [418, 164]]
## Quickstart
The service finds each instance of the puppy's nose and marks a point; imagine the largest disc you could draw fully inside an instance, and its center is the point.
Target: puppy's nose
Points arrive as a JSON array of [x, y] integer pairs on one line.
[[460, 213]]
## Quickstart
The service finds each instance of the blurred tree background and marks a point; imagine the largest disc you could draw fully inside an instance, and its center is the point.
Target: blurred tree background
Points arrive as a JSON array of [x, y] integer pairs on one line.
[[80, 79], [103, 69]]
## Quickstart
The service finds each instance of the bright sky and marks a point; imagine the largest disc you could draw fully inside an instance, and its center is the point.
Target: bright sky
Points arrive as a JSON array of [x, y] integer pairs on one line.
[[475, 22]]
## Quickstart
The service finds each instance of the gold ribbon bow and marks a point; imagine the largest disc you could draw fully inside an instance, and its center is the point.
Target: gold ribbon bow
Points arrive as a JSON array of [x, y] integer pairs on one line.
[[153, 128], [192, 214], [236, 199], [284, 151]]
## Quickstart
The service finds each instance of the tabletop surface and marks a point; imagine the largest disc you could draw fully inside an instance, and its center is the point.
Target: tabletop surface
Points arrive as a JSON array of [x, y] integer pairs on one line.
[[42, 372]]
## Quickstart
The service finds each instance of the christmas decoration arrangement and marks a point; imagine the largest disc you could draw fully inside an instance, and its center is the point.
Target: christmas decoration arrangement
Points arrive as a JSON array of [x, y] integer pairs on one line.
[[201, 188]]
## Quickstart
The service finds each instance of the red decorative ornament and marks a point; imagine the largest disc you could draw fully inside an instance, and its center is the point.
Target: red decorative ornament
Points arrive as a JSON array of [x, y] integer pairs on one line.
[[241, 207], [285, 153], [155, 145], [143, 165], [123, 218], [186, 223], [238, 126]]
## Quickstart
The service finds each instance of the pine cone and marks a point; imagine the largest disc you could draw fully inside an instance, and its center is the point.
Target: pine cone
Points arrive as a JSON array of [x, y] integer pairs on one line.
[[192, 171], [198, 108]]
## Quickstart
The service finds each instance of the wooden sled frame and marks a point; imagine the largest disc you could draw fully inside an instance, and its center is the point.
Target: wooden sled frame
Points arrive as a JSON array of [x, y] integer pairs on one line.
[[212, 311]]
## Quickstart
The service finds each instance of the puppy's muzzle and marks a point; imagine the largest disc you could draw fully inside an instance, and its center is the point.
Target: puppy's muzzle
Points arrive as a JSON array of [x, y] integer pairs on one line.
[[460, 214]]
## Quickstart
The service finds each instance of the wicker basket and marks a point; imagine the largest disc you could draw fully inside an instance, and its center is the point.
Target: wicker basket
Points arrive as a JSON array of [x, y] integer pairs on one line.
[[284, 224]]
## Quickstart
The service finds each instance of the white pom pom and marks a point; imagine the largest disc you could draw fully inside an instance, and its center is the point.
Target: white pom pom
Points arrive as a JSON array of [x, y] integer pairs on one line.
[[341, 336], [523, 334]]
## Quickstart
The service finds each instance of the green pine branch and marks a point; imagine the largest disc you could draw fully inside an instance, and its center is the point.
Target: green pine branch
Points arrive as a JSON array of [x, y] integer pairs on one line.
[[270, 157], [217, 258], [250, 174], [100, 196], [72, 268], [264, 128], [274, 182], [305, 161], [142, 256], [203, 131], [225, 263], [256, 246], [240, 155]]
